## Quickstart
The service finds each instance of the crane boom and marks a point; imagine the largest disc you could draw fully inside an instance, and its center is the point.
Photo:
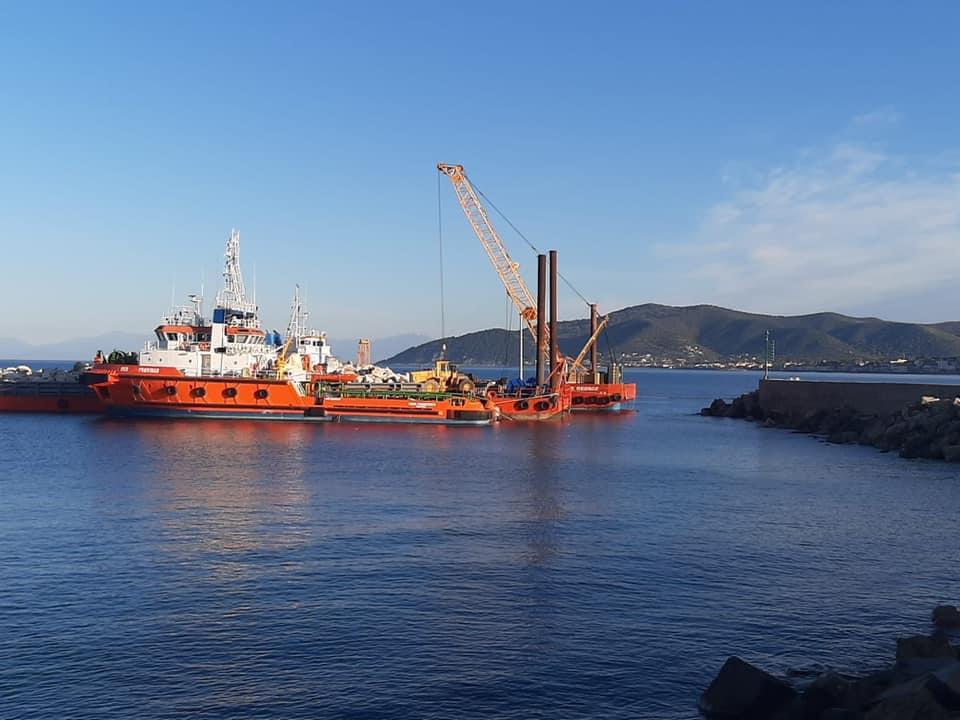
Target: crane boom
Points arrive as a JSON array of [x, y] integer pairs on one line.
[[506, 268], [586, 348]]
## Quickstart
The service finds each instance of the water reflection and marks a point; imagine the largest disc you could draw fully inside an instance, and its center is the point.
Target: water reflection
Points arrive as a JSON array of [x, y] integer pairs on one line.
[[222, 492]]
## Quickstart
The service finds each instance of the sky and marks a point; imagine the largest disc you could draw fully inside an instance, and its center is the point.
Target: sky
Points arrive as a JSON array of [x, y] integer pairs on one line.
[[783, 158]]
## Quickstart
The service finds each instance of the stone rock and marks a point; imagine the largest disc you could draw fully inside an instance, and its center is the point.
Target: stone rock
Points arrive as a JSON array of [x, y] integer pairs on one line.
[[742, 691], [737, 409], [718, 408], [925, 646], [893, 435], [951, 453], [866, 689], [946, 616], [841, 714], [915, 445], [915, 703], [944, 685], [829, 690], [913, 668]]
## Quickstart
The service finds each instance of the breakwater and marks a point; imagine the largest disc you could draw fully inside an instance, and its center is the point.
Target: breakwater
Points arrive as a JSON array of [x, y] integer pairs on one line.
[[916, 420], [922, 683], [795, 398]]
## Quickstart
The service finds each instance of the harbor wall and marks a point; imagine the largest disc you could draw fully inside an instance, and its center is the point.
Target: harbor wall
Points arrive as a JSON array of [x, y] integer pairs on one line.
[[794, 398]]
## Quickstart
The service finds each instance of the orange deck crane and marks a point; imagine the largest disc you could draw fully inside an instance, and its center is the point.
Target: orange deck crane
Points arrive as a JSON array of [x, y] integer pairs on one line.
[[507, 269]]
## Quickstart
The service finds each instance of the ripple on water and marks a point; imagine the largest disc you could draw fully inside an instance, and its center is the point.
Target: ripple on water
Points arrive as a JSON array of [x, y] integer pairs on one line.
[[602, 567]]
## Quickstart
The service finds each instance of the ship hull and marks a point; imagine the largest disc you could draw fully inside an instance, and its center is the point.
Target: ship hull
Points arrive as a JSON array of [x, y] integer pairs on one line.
[[601, 397], [48, 397], [145, 391], [145, 411], [409, 410], [532, 408]]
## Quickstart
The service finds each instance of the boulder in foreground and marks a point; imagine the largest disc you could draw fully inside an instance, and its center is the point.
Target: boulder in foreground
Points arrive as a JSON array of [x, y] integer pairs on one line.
[[741, 691]]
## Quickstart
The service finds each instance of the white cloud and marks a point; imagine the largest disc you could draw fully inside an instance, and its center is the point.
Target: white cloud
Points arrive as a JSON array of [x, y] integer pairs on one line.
[[882, 117], [841, 229]]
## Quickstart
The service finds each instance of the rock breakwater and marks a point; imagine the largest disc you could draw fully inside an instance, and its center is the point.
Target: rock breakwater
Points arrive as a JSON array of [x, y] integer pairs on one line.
[[929, 428], [923, 683]]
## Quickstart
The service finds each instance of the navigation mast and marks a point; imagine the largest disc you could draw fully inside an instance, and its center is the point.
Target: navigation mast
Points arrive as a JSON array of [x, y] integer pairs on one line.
[[233, 295]]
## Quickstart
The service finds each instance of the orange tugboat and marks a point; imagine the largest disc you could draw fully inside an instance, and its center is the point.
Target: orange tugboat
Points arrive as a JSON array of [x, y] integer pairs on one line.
[[225, 368]]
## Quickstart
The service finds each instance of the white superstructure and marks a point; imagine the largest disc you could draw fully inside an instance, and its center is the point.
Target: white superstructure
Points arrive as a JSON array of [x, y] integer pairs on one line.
[[231, 342]]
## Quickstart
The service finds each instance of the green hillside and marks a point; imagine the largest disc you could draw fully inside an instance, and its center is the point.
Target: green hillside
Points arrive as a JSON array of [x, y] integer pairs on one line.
[[712, 333]]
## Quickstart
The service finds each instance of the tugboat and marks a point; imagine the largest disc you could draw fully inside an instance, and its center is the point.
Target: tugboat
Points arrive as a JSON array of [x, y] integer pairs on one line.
[[224, 367]]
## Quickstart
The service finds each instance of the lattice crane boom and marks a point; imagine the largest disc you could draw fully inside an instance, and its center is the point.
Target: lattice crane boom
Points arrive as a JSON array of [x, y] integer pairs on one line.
[[508, 270]]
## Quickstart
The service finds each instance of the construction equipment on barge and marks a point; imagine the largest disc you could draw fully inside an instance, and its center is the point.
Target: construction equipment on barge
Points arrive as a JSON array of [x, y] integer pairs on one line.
[[602, 390]]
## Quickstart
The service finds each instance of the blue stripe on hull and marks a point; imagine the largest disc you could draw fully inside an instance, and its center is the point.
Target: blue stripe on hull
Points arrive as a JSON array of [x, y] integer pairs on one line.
[[153, 412], [406, 421]]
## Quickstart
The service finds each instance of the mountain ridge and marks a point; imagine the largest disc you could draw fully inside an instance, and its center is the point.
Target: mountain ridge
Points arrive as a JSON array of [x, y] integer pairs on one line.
[[710, 333]]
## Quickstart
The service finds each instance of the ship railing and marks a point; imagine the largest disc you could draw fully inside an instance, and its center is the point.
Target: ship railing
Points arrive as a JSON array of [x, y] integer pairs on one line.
[[400, 391]]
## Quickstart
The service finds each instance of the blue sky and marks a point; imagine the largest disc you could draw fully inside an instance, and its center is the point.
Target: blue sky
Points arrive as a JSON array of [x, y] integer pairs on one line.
[[764, 156]]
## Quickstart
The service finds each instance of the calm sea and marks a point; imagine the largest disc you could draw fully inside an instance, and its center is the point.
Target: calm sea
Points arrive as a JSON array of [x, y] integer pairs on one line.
[[596, 567]]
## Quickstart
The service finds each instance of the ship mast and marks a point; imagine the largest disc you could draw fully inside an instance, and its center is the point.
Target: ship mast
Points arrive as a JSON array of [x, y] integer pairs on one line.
[[233, 295], [296, 326]]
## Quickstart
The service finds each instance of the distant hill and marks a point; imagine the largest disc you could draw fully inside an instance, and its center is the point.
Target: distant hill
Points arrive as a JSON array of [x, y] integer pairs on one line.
[[709, 333], [76, 349]]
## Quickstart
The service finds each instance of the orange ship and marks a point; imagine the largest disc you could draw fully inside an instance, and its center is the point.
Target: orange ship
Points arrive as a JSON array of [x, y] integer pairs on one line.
[[227, 366], [48, 397], [542, 406], [145, 391], [346, 404], [592, 397]]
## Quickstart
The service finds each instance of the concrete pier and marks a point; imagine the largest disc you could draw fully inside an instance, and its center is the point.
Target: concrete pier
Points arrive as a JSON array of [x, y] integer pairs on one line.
[[796, 398]]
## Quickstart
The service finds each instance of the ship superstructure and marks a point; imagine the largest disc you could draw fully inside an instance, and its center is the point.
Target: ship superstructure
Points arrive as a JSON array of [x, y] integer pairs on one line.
[[230, 343]]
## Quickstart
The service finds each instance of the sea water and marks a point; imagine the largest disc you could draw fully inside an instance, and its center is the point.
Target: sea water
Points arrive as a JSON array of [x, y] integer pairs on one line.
[[600, 566]]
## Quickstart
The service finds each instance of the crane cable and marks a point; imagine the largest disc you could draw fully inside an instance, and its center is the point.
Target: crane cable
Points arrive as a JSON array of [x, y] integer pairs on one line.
[[534, 248], [443, 320], [524, 238]]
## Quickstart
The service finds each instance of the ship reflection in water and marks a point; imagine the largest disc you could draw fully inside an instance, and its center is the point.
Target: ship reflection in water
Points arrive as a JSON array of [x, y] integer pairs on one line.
[[221, 498]]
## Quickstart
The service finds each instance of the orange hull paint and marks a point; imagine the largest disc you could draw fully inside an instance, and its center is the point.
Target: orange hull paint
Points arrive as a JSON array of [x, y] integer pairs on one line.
[[48, 397], [590, 397], [532, 408], [71, 404], [138, 389], [165, 392], [437, 410]]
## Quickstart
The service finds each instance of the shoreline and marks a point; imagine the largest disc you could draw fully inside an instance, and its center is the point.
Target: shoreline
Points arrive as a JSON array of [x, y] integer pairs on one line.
[[923, 682]]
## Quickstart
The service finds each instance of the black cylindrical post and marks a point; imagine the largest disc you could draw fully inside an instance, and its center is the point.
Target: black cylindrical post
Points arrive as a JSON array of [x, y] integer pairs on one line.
[[541, 315], [593, 347], [554, 345]]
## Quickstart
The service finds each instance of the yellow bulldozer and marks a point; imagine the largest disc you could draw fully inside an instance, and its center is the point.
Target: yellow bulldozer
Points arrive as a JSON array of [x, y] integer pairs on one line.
[[443, 377]]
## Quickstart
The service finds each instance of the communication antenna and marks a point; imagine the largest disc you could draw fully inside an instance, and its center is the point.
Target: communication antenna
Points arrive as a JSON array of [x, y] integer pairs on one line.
[[769, 349]]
